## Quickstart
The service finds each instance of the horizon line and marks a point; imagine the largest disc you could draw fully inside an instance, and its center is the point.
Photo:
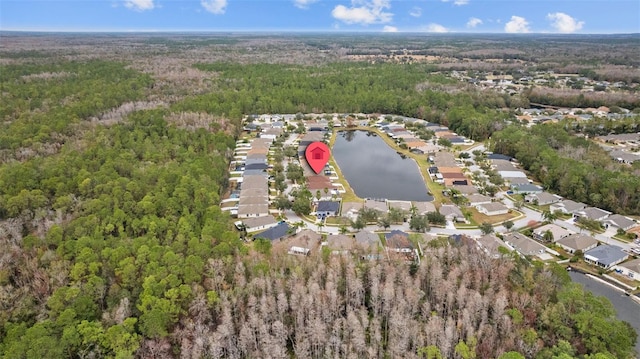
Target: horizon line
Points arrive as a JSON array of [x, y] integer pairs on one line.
[[289, 31]]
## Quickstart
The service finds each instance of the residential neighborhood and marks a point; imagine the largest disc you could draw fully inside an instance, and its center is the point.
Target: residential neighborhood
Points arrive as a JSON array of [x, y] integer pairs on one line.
[[478, 189]]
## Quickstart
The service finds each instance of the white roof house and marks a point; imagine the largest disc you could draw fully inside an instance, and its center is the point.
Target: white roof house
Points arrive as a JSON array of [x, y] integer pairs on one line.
[[631, 269]]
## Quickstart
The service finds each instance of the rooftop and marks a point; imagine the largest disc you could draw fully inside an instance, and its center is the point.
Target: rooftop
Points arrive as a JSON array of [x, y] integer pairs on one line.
[[606, 254]]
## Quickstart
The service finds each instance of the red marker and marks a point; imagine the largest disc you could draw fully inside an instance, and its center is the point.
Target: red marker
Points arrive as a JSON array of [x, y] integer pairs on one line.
[[317, 155]]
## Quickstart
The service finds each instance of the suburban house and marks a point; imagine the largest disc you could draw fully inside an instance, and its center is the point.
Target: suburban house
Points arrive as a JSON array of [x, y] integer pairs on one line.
[[490, 244], [492, 209], [631, 269], [376, 204], [619, 222], [327, 209], [526, 188], [542, 198], [304, 242], [452, 213], [351, 210], [401, 205], [398, 241], [577, 242], [424, 207], [274, 233], [556, 231], [368, 241], [592, 213], [253, 210], [340, 243], [476, 199], [567, 206], [605, 255], [524, 245], [258, 223]]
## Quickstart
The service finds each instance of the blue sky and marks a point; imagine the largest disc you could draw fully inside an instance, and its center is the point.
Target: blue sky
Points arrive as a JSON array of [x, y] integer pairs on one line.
[[481, 16]]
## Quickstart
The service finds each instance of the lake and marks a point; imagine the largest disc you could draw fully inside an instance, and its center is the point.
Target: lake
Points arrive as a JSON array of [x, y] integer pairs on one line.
[[375, 170], [626, 308]]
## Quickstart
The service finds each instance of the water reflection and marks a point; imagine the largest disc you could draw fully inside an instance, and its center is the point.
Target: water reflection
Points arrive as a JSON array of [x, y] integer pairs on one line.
[[375, 170]]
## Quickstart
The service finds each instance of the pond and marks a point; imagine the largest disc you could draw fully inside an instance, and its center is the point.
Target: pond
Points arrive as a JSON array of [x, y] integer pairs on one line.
[[375, 170]]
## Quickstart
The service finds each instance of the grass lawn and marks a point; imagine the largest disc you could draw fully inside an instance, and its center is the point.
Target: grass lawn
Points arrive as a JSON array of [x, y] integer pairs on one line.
[[481, 218], [337, 221]]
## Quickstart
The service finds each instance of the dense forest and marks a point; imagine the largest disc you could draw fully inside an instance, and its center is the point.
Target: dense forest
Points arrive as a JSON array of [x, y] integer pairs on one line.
[[572, 166], [113, 244]]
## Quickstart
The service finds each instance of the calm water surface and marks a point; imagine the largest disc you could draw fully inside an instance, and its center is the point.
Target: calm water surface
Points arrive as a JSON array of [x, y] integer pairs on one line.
[[375, 170]]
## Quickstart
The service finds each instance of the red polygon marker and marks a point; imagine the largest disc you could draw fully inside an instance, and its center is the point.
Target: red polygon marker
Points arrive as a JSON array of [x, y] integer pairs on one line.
[[317, 155]]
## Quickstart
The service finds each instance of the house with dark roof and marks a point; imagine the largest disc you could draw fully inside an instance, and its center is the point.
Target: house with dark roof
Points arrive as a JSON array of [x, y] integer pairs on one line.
[[327, 209], [498, 156], [577, 242], [605, 255], [274, 233]]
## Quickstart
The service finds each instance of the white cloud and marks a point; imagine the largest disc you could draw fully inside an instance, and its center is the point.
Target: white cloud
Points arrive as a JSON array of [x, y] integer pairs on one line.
[[214, 6], [473, 22], [364, 12], [140, 5], [564, 23], [416, 12], [516, 25], [458, 2], [303, 4], [388, 28], [436, 28]]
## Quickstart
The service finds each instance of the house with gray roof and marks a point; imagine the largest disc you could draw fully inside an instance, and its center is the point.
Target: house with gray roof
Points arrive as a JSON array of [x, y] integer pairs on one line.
[[592, 213], [424, 207], [369, 241], [452, 213], [524, 245], [490, 244], [340, 243], [605, 255], [630, 269], [401, 205], [556, 231], [274, 233], [619, 222], [327, 209], [259, 223], [567, 206], [577, 242], [542, 198], [492, 208], [476, 199]]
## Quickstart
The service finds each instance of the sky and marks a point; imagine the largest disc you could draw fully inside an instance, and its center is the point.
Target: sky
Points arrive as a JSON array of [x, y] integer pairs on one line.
[[433, 16]]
